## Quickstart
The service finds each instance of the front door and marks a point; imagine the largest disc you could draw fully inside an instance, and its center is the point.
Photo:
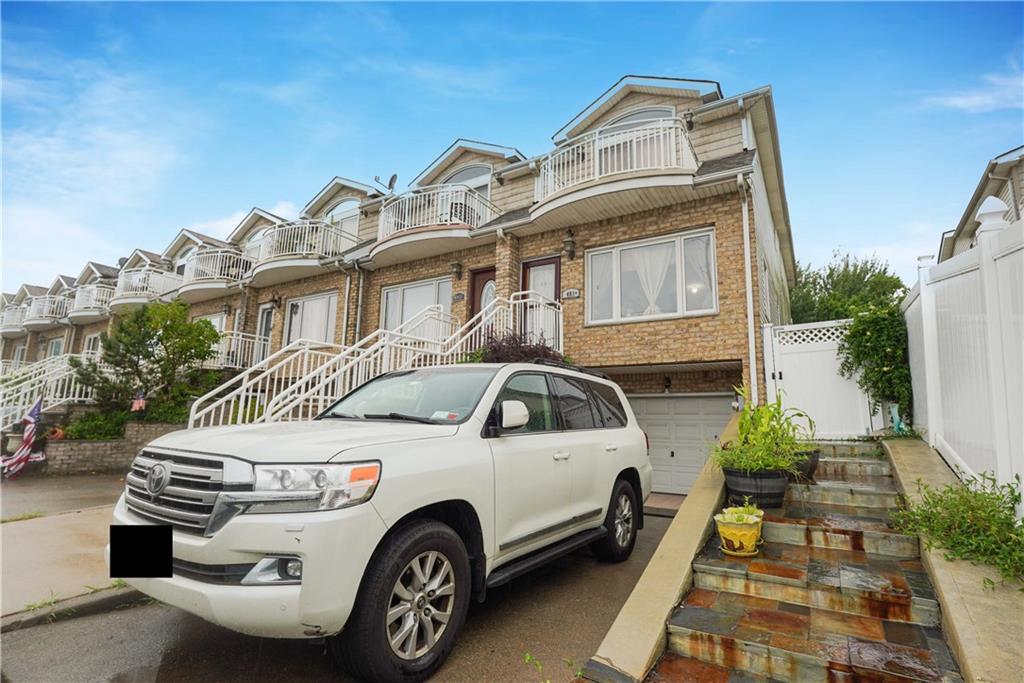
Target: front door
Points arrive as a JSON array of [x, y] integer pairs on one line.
[[543, 277], [483, 290]]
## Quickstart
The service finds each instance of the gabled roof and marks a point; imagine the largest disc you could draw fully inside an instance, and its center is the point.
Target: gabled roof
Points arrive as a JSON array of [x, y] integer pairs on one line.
[[428, 175], [632, 83], [185, 236], [141, 257], [60, 283], [95, 270], [330, 188], [989, 185], [27, 291], [251, 219]]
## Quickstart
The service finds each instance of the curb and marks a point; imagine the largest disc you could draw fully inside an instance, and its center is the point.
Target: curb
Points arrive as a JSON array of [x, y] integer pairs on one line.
[[80, 606]]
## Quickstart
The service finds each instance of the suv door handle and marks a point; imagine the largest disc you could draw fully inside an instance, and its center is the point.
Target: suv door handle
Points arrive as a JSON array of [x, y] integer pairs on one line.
[[561, 455], [611, 447]]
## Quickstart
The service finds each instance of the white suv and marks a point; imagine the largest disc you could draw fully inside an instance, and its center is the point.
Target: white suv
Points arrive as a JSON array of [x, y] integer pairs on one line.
[[382, 518]]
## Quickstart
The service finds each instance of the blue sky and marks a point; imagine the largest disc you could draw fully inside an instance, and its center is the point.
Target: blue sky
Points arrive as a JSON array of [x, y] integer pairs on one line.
[[123, 123]]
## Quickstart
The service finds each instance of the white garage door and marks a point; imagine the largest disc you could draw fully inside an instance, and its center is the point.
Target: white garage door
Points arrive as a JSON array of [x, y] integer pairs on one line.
[[682, 431]]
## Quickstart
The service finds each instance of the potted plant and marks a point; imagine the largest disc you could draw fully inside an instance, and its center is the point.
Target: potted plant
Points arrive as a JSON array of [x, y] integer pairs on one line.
[[739, 529], [758, 464]]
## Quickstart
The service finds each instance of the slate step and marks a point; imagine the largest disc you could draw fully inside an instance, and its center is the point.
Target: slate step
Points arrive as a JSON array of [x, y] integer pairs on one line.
[[798, 643], [863, 491], [848, 467], [847, 581], [843, 527], [850, 449], [672, 668]]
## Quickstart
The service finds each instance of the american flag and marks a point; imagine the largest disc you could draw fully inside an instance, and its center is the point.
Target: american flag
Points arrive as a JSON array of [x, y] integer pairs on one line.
[[14, 463]]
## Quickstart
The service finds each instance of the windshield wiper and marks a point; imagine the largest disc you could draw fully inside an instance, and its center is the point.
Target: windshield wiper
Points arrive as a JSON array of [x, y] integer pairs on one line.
[[400, 416], [341, 416]]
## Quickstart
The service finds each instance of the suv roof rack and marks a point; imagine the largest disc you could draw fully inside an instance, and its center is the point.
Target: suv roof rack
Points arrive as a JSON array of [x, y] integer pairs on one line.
[[569, 366]]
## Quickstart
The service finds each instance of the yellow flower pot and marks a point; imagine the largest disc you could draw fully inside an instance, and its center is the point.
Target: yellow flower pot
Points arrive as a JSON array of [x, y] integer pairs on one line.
[[739, 533]]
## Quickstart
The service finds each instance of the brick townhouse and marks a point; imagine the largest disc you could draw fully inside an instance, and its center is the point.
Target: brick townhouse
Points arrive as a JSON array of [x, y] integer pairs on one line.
[[657, 220]]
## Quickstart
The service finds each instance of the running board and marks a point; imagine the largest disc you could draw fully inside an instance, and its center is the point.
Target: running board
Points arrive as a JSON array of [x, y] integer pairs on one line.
[[530, 562]]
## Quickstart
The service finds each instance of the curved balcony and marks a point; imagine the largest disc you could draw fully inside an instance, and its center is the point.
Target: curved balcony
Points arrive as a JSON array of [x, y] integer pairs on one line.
[[138, 286], [428, 221], [91, 304], [614, 171], [46, 312], [210, 272], [11, 321], [293, 250]]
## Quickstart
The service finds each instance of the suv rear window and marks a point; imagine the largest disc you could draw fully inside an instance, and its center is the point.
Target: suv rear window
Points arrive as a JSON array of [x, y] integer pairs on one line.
[[612, 412], [578, 410]]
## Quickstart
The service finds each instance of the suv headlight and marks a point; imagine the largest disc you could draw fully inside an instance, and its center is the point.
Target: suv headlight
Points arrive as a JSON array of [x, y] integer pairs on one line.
[[307, 488]]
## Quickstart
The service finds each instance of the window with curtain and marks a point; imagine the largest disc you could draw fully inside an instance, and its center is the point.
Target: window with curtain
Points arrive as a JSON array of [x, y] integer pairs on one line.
[[344, 215], [658, 278], [401, 303], [476, 178], [312, 318]]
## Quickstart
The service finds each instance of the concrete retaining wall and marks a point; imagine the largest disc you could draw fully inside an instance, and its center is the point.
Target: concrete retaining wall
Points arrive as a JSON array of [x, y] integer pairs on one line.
[[81, 457]]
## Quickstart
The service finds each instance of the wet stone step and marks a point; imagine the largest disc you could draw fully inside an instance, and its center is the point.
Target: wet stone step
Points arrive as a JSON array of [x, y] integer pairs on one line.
[[672, 668], [843, 468], [862, 491], [843, 527], [854, 582], [850, 449], [794, 642]]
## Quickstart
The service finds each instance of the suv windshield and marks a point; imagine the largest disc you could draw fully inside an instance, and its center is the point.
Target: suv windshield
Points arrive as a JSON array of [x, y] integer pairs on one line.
[[434, 395]]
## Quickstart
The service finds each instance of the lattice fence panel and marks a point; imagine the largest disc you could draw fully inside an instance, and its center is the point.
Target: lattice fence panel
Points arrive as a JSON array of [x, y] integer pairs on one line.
[[797, 336]]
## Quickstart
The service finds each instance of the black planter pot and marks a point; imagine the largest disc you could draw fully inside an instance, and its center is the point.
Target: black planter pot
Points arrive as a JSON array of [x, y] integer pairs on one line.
[[806, 468], [766, 489]]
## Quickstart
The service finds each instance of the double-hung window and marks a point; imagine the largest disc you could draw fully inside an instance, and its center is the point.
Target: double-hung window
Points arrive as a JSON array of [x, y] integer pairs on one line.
[[662, 277], [312, 318], [402, 303]]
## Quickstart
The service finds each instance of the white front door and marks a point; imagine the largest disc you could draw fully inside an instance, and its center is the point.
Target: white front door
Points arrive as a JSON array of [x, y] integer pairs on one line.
[[533, 479], [682, 431], [542, 277]]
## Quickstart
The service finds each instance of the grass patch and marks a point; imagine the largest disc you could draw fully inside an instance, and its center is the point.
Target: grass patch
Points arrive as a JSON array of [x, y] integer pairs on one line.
[[44, 603], [116, 583], [974, 519], [22, 517]]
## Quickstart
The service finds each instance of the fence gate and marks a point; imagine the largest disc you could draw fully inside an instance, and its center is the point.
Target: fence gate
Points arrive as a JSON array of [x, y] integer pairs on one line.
[[801, 364]]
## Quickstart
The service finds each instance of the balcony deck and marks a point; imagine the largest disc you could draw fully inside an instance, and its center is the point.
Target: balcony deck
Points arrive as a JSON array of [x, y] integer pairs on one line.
[[428, 221], [91, 304], [209, 274], [139, 286], [294, 250], [46, 312], [11, 322]]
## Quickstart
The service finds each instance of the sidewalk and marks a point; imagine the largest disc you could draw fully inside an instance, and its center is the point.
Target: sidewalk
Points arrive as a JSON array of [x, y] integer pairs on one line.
[[52, 495], [62, 554]]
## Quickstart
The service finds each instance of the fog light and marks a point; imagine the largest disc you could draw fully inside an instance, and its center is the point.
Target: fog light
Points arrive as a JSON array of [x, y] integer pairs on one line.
[[291, 568]]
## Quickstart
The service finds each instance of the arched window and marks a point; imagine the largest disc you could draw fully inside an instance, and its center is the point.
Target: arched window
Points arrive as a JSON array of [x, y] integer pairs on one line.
[[476, 178], [639, 117], [179, 263], [344, 215]]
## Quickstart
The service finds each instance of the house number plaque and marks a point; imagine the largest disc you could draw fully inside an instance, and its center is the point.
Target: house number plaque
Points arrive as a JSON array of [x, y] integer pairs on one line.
[[571, 294]]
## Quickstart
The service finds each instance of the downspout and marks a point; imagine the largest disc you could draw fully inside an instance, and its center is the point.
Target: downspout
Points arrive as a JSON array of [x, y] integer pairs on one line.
[[344, 316], [748, 279], [359, 303]]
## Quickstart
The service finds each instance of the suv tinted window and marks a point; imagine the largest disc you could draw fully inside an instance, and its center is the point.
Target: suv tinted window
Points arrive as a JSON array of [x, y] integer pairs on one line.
[[532, 390], [612, 412], [575, 404]]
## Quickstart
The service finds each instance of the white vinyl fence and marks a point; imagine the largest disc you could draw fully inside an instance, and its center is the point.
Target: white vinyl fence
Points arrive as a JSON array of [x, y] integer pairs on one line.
[[801, 362], [964, 322]]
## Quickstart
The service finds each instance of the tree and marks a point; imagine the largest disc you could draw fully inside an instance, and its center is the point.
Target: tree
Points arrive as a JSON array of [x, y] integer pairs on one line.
[[155, 350], [847, 284]]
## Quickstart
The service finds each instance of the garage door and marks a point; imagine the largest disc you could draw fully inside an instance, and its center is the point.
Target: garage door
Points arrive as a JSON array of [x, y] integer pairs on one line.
[[682, 431]]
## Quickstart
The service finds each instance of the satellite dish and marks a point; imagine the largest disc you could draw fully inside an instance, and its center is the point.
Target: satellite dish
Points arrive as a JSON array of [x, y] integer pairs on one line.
[[391, 182]]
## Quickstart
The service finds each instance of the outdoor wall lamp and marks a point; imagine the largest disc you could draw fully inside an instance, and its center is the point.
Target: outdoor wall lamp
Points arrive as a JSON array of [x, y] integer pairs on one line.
[[226, 309], [688, 118], [275, 300], [667, 384], [456, 269], [569, 245]]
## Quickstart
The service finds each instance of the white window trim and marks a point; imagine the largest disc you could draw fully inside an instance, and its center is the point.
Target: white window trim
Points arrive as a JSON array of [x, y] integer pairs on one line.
[[88, 337], [668, 109], [259, 317], [384, 294], [463, 167], [20, 352], [616, 249], [299, 300]]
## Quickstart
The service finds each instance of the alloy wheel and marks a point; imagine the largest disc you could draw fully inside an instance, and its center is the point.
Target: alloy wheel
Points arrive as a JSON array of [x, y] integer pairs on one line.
[[623, 520], [421, 605]]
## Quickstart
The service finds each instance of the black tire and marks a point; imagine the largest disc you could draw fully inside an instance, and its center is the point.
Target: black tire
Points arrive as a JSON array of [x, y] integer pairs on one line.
[[613, 547], [363, 647]]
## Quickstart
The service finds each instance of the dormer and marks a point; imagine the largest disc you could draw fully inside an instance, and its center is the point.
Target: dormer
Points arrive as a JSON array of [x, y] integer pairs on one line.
[[46, 311], [94, 287], [13, 317], [144, 277]]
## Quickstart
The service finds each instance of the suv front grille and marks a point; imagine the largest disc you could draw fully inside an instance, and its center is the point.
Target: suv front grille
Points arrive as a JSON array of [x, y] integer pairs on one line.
[[228, 574], [191, 492]]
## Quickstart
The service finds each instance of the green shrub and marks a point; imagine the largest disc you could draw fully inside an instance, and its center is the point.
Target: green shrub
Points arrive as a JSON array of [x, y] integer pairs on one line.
[[768, 437], [169, 412], [974, 520], [874, 351], [98, 426]]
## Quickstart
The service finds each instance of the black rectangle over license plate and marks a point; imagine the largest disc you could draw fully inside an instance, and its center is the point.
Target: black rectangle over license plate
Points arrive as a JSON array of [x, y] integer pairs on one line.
[[140, 551]]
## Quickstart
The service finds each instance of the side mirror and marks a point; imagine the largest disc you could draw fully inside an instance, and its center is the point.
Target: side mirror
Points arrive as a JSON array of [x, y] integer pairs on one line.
[[514, 414]]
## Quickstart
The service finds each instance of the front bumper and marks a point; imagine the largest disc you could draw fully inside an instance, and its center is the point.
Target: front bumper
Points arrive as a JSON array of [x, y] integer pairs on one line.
[[334, 546]]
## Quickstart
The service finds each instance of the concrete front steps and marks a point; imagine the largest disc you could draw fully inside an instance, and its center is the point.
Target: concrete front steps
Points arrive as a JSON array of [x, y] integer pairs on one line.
[[835, 594]]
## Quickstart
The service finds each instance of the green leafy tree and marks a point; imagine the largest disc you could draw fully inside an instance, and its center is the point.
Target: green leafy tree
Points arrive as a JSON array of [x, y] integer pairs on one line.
[[842, 287], [154, 349]]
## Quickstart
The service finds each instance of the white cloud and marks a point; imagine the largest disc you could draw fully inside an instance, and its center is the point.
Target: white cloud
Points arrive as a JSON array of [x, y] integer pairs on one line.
[[222, 227], [997, 91], [918, 238]]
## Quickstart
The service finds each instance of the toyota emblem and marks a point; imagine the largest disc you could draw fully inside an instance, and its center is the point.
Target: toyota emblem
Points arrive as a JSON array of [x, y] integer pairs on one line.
[[157, 479]]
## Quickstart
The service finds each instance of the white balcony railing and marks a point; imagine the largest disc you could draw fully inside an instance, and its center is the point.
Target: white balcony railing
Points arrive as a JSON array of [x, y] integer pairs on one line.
[[47, 307], [92, 298], [12, 317], [299, 238], [145, 282], [435, 206], [657, 145], [239, 350], [9, 367], [216, 265]]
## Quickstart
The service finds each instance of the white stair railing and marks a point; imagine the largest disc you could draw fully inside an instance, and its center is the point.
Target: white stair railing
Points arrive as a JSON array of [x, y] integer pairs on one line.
[[238, 350], [53, 379], [243, 398]]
